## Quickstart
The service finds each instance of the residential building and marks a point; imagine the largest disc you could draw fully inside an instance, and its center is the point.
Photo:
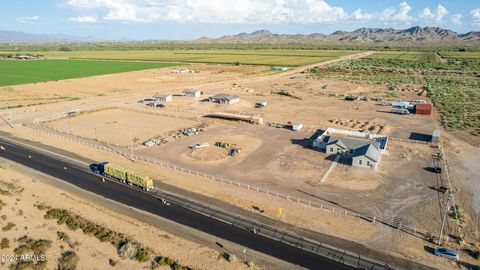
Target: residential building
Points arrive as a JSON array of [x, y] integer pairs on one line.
[[361, 149], [365, 154]]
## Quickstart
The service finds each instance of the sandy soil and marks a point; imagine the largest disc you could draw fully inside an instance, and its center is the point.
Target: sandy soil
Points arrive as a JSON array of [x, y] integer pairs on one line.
[[120, 127], [19, 209]]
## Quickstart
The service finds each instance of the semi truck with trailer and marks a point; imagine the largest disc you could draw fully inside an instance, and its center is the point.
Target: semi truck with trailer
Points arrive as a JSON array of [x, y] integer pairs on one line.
[[123, 175]]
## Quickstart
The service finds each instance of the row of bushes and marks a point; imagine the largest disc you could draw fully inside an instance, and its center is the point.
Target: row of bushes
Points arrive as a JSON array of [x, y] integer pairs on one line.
[[27, 246], [127, 248]]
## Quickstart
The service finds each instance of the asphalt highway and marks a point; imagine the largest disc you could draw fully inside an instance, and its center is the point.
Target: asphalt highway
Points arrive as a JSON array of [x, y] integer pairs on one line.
[[78, 176]]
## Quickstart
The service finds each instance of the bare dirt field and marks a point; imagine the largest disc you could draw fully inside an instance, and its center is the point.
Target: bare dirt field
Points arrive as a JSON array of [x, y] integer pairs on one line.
[[120, 127], [117, 85]]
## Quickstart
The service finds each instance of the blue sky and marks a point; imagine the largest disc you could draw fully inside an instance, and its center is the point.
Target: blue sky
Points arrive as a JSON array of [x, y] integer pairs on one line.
[[187, 19]]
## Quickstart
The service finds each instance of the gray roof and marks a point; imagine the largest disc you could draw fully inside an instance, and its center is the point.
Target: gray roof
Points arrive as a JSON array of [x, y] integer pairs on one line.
[[225, 96], [360, 147], [161, 95], [371, 151], [347, 143]]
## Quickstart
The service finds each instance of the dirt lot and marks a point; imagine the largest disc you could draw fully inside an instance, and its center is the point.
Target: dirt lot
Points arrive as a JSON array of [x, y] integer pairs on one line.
[[281, 158], [120, 127]]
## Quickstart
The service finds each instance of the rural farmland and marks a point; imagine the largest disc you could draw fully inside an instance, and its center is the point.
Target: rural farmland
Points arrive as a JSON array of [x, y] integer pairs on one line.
[[247, 57], [21, 72]]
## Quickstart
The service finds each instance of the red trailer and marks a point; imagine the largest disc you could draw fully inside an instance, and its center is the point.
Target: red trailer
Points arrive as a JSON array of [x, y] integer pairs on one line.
[[423, 109]]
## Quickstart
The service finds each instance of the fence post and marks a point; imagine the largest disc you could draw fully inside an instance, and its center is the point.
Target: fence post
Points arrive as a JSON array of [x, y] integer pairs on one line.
[[374, 219]]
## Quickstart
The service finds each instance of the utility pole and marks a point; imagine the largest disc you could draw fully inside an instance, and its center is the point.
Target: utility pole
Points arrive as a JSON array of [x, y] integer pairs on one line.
[[131, 142]]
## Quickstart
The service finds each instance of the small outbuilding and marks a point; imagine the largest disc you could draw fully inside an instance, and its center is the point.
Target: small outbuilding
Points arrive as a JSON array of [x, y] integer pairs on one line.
[[193, 93], [436, 136], [423, 109], [163, 98], [224, 99], [297, 126]]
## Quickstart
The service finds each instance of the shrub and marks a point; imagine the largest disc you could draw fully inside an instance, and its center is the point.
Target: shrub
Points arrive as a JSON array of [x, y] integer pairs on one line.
[[128, 251], [112, 262], [160, 260], [169, 261], [22, 249], [68, 261], [143, 255], [63, 236], [287, 94], [22, 239], [476, 255], [39, 246], [8, 227], [250, 264], [42, 206], [232, 258], [4, 166], [90, 228], [4, 243]]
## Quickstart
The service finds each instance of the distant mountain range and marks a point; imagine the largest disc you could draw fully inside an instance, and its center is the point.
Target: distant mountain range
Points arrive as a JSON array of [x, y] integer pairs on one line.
[[21, 37], [413, 35]]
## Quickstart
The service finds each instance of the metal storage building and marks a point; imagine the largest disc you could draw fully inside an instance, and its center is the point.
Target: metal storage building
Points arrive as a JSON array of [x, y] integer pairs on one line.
[[193, 93], [423, 109], [225, 99]]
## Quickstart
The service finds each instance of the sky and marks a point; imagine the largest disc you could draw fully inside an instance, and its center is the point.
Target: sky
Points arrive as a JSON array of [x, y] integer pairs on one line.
[[190, 19]]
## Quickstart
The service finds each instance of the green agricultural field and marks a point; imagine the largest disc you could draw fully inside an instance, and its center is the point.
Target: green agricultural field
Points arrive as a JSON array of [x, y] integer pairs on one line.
[[19, 71], [247, 57], [407, 56]]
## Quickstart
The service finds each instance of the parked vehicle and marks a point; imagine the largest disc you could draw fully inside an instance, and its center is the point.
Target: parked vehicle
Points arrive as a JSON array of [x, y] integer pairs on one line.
[[199, 145], [123, 175], [156, 105], [400, 111], [447, 253]]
